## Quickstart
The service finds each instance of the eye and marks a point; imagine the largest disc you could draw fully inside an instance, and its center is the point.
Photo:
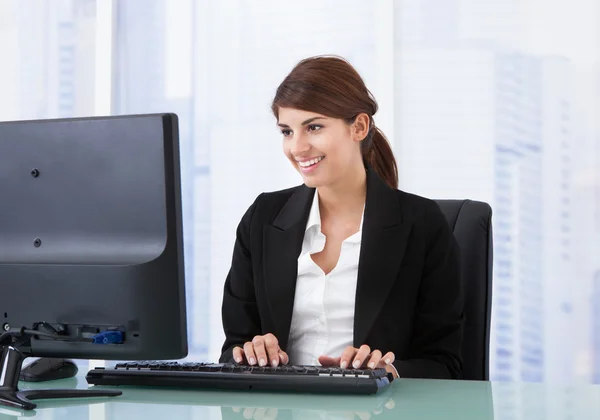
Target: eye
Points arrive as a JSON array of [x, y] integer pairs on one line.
[[314, 127], [286, 132]]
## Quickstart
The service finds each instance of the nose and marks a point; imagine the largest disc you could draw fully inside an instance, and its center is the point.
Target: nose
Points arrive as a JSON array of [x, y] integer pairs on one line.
[[299, 144]]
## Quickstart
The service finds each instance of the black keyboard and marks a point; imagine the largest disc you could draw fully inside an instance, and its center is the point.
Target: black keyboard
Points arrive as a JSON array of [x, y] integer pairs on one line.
[[306, 379]]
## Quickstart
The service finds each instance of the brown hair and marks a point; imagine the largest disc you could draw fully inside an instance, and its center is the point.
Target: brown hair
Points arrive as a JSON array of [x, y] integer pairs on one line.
[[332, 87]]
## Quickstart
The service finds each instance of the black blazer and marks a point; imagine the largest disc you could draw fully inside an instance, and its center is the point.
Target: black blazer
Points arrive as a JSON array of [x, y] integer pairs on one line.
[[408, 298]]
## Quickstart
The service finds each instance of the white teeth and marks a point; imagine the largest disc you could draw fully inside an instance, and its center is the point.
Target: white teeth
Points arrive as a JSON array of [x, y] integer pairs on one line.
[[310, 162]]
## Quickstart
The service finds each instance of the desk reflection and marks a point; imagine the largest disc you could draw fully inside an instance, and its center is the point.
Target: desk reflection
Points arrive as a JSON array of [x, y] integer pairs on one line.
[[321, 410], [404, 399]]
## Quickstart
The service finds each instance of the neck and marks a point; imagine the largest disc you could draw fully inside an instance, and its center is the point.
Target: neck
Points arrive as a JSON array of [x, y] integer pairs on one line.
[[347, 197]]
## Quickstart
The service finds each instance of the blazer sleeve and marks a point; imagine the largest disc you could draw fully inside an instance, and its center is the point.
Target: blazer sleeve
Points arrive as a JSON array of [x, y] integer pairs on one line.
[[436, 344], [240, 316]]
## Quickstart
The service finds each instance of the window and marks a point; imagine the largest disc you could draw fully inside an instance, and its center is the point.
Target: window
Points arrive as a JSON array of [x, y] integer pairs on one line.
[[467, 84]]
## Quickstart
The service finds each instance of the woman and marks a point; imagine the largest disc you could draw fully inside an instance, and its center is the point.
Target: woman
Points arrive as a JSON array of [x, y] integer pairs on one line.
[[345, 270]]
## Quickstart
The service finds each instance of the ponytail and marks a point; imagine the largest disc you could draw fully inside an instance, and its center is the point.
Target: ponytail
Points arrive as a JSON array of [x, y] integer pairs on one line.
[[378, 154]]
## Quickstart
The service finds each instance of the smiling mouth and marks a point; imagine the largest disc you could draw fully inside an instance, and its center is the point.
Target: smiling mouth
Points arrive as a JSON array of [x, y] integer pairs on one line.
[[312, 162]]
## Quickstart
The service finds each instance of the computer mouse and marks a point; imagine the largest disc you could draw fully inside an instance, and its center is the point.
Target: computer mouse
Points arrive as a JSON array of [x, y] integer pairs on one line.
[[48, 369]]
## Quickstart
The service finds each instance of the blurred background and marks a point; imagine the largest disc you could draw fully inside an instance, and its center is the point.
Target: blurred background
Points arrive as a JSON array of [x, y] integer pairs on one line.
[[493, 100]]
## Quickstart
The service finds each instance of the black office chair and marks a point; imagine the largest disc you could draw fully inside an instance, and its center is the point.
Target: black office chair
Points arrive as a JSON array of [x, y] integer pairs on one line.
[[471, 222]]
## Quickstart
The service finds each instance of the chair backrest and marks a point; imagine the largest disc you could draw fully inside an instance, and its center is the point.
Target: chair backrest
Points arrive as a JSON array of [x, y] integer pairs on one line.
[[471, 222]]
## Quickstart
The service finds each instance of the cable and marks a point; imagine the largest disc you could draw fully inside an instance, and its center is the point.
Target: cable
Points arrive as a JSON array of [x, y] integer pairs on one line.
[[55, 333], [56, 336], [35, 333], [38, 333], [45, 325]]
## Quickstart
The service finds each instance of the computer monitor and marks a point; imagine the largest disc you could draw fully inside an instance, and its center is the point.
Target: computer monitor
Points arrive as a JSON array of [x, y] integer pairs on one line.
[[91, 243]]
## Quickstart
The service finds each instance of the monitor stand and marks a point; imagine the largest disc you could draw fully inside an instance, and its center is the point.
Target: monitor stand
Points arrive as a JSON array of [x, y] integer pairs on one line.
[[11, 360]]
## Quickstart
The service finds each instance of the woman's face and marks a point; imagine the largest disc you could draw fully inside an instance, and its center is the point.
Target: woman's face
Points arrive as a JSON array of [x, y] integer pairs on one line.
[[322, 149]]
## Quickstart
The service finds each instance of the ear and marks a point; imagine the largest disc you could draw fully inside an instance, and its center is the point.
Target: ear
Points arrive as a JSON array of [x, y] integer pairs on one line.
[[360, 127]]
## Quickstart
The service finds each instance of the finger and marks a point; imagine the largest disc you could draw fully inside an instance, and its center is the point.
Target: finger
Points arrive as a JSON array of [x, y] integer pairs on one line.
[[272, 347], [259, 414], [259, 350], [248, 412], [238, 354], [388, 358], [390, 404], [249, 352], [347, 356], [284, 359], [361, 356], [271, 414], [374, 359], [327, 361], [363, 415], [236, 409]]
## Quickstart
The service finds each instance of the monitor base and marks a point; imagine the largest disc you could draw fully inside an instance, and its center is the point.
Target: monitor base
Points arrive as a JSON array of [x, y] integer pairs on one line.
[[11, 360]]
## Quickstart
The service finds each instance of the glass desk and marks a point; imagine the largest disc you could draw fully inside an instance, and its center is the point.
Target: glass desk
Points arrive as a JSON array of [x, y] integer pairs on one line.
[[405, 399]]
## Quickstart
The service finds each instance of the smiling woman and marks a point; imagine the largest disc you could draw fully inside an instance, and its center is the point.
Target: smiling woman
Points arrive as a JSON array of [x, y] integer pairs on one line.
[[344, 270], [329, 108]]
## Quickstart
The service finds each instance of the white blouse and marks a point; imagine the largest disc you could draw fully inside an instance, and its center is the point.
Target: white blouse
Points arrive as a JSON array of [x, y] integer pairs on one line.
[[323, 313]]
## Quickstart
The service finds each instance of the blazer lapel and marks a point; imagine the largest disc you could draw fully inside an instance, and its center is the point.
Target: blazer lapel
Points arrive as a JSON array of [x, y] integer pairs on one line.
[[282, 242], [384, 241]]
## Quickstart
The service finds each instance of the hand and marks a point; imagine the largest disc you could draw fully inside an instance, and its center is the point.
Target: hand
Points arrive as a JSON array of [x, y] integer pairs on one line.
[[321, 409], [358, 357], [262, 348], [256, 413]]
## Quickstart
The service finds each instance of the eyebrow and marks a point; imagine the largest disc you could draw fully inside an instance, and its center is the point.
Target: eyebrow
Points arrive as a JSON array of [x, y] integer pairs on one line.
[[303, 122]]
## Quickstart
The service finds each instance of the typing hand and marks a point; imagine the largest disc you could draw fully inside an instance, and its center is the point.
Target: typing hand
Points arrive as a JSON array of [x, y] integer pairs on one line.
[[262, 349], [358, 357]]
